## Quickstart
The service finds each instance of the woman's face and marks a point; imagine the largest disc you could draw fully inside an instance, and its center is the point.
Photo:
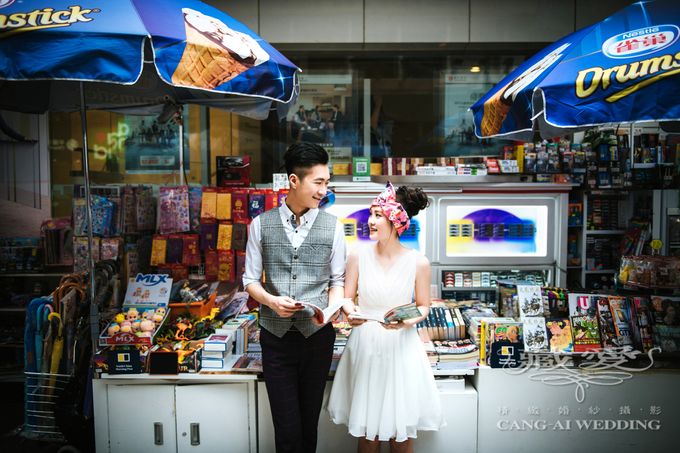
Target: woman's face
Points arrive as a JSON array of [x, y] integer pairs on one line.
[[379, 226]]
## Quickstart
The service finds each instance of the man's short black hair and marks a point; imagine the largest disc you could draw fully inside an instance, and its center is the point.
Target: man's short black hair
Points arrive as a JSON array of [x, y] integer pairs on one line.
[[300, 157]]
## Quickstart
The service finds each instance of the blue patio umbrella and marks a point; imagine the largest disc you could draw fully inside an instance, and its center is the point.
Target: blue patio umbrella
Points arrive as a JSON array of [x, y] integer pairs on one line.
[[624, 69], [135, 56]]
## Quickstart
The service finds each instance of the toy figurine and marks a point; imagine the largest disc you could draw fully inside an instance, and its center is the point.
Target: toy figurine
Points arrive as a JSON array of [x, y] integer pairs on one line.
[[119, 318], [158, 315], [113, 329], [147, 325], [136, 325], [126, 326], [148, 314], [188, 295], [132, 314]]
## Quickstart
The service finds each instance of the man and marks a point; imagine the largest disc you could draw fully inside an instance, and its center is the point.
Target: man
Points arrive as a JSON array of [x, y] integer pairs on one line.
[[302, 253], [335, 122]]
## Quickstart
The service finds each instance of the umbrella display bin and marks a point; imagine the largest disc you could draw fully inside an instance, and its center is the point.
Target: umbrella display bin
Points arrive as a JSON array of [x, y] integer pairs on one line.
[[42, 390]]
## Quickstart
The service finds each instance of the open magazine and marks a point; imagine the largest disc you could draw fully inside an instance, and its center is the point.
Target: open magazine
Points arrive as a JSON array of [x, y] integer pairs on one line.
[[325, 315], [396, 314]]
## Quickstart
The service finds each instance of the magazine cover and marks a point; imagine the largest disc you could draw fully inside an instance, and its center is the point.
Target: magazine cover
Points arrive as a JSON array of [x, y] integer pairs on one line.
[[582, 304], [507, 345], [559, 335], [530, 300], [535, 334], [666, 323], [619, 308], [586, 332], [604, 314], [643, 323]]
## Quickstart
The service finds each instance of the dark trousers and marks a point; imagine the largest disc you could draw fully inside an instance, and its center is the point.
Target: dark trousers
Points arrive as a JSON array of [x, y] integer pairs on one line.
[[295, 370]]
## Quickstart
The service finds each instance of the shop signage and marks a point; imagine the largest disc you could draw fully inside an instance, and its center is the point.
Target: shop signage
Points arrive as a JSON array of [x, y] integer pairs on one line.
[[44, 18], [642, 41], [605, 368]]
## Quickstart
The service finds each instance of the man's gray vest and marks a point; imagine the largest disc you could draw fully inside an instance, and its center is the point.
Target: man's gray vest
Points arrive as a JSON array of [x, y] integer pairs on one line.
[[301, 274]]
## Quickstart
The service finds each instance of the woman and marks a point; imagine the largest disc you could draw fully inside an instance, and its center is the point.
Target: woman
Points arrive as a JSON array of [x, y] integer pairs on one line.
[[384, 389]]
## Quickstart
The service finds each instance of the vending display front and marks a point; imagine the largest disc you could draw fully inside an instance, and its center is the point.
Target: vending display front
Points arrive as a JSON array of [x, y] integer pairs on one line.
[[487, 237], [477, 236], [353, 210]]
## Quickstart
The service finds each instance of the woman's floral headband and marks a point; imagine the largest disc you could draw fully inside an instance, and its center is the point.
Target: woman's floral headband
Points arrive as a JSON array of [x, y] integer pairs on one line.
[[393, 210]]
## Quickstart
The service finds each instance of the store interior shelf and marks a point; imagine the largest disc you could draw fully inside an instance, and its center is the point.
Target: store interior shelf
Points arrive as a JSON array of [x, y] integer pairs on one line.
[[596, 232], [12, 310], [15, 345], [462, 372], [468, 288], [602, 271], [32, 274]]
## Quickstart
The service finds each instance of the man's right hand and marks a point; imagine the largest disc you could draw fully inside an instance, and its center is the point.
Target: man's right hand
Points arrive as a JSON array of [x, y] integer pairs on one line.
[[284, 306]]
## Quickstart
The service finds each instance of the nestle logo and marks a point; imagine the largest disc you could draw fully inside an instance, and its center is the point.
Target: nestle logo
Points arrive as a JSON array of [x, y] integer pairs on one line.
[[5, 3], [642, 41], [150, 279]]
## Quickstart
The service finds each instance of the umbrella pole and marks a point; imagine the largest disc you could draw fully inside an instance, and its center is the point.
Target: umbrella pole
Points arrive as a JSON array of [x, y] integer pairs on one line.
[[631, 146], [94, 310], [181, 151]]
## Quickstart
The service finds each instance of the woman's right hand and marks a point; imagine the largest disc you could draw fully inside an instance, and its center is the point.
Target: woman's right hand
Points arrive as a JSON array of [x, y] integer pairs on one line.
[[349, 309], [284, 306]]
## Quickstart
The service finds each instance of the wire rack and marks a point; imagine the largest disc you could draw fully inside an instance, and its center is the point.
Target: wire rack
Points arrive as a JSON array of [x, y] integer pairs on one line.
[[42, 392]]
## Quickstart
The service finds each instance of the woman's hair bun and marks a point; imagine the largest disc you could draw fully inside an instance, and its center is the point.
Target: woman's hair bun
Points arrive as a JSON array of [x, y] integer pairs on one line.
[[413, 199]]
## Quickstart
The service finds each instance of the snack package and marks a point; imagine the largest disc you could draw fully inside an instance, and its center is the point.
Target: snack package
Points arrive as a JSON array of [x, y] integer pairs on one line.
[[209, 203], [158, 249], [224, 235], [190, 253], [271, 200], [80, 262], [226, 272], [240, 266], [281, 197], [223, 204], [174, 249], [208, 235], [256, 200], [195, 200], [146, 214], [240, 235], [110, 248], [239, 204], [174, 210], [212, 265]]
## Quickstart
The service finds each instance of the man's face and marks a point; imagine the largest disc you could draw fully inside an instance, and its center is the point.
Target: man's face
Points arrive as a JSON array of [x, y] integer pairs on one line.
[[312, 187]]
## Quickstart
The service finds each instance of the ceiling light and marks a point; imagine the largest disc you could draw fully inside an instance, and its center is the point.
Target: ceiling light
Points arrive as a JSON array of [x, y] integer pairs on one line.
[[475, 69]]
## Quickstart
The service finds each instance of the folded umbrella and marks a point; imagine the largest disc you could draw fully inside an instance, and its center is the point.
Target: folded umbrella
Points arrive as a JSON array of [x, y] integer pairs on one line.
[[30, 329]]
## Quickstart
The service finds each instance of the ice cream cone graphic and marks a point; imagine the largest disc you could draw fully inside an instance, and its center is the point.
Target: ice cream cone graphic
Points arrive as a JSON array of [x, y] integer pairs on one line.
[[496, 108], [214, 53]]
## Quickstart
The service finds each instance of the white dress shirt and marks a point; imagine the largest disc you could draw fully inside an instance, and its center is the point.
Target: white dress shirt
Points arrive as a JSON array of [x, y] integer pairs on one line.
[[296, 235]]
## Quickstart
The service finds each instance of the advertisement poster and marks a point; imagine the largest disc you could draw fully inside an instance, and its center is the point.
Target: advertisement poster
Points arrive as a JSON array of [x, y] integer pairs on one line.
[[354, 219], [152, 147], [461, 90], [148, 289], [496, 231]]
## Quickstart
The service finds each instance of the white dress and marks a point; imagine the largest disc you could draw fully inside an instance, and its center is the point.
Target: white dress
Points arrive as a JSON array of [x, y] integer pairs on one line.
[[384, 387]]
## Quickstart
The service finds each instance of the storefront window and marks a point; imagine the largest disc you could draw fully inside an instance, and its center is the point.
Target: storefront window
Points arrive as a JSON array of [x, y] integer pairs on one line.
[[123, 149], [375, 104]]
